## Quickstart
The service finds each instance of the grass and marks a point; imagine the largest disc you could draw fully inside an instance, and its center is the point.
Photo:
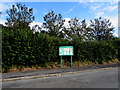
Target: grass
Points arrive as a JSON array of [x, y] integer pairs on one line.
[[51, 65]]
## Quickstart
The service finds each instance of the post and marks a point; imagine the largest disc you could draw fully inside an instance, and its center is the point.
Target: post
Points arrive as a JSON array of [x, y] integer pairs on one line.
[[71, 62], [61, 61]]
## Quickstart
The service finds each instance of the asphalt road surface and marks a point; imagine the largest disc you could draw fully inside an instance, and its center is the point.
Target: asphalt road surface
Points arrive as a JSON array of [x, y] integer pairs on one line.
[[107, 78]]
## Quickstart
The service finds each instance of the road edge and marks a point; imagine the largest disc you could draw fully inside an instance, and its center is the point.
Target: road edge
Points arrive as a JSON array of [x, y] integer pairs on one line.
[[52, 75]]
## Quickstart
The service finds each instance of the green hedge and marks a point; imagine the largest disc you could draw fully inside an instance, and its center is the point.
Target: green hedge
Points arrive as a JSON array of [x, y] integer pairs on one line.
[[25, 48], [95, 51]]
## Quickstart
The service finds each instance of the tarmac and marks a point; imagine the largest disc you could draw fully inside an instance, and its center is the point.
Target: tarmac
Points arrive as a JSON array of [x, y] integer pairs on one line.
[[12, 76]]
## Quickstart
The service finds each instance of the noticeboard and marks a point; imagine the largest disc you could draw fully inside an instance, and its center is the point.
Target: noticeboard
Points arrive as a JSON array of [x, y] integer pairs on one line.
[[65, 50]]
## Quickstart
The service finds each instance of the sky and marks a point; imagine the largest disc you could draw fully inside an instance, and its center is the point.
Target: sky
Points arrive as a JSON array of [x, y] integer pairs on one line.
[[68, 10]]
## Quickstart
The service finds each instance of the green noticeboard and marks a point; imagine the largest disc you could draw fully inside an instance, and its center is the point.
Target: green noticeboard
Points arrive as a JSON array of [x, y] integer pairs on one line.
[[65, 50]]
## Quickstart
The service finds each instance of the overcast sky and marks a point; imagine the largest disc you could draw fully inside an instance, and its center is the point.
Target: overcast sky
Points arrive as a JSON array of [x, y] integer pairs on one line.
[[81, 10]]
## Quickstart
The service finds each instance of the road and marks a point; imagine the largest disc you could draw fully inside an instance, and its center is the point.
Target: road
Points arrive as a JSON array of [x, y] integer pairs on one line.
[[107, 78]]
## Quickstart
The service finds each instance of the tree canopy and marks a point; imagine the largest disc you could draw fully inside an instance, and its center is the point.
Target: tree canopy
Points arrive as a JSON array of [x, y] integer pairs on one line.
[[19, 16], [101, 29], [77, 28], [54, 24]]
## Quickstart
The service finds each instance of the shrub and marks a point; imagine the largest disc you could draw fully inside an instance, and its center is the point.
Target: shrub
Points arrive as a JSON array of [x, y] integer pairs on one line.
[[25, 48]]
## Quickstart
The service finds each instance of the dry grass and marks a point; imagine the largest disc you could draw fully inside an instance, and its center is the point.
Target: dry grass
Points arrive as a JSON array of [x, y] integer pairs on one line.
[[82, 63], [113, 61], [65, 64]]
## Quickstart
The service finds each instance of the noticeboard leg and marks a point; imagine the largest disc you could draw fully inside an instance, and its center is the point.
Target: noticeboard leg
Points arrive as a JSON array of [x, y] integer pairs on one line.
[[71, 62], [61, 61]]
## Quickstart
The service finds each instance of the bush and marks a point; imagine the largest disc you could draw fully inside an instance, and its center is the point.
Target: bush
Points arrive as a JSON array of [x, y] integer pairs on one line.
[[95, 51], [25, 48]]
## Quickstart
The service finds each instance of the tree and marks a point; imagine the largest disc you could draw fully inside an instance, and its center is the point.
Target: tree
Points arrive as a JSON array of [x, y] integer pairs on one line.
[[0, 17], [0, 14], [54, 24], [77, 29], [101, 29], [19, 16]]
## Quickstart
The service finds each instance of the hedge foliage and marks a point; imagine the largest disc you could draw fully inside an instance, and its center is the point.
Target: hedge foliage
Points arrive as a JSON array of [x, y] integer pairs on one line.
[[95, 51], [25, 48]]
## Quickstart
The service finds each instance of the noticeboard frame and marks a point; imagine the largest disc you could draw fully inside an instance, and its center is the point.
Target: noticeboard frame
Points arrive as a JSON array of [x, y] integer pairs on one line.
[[66, 55], [67, 47]]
